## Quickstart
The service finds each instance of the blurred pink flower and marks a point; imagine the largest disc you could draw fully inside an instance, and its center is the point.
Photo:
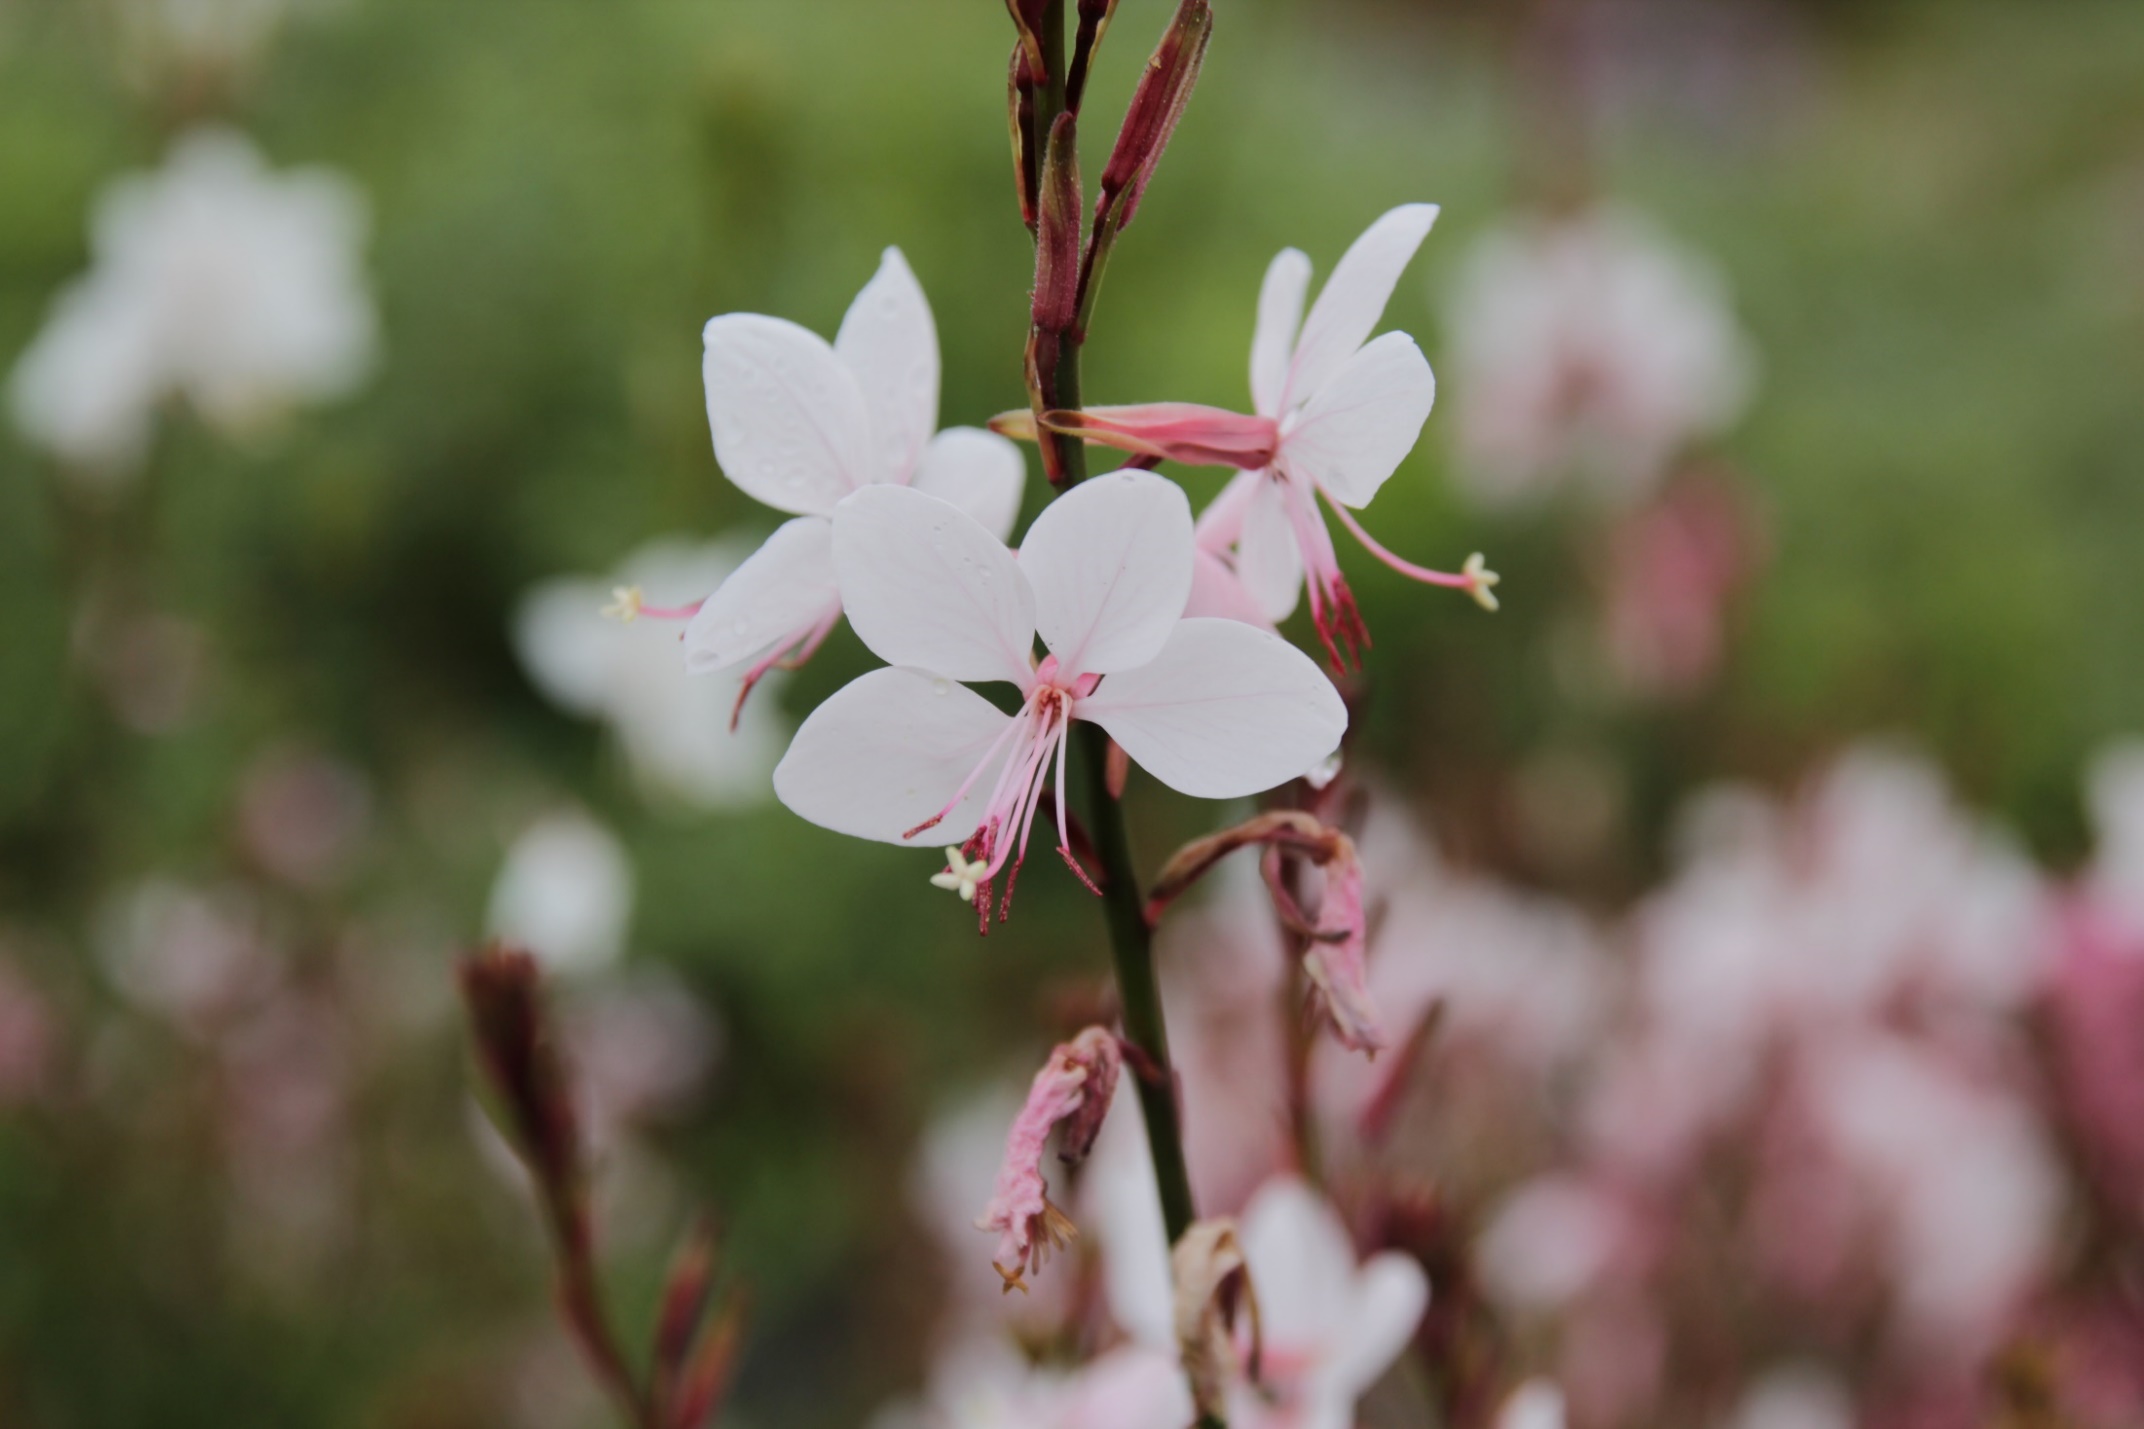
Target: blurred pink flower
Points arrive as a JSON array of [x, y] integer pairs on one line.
[[1072, 1091], [1591, 348], [28, 1036], [301, 814], [195, 956], [1671, 569]]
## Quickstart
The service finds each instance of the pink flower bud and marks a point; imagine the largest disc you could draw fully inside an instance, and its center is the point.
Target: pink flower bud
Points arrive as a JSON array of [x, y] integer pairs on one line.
[[1337, 961], [1073, 1089]]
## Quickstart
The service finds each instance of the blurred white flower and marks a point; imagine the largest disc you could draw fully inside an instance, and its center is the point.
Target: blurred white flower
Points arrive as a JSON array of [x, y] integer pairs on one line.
[[1536, 1404], [565, 893], [214, 279], [988, 1384], [640, 1048], [675, 727], [1592, 347], [1795, 1397]]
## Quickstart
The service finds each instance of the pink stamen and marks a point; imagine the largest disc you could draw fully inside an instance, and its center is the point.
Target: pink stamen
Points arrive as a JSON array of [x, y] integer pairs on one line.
[[1424, 574], [1012, 727], [786, 655], [1332, 605]]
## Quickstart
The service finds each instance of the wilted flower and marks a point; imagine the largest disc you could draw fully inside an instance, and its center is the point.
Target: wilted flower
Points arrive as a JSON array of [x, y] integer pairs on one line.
[[799, 425], [1210, 707], [1072, 1092], [1591, 347], [214, 279], [676, 730]]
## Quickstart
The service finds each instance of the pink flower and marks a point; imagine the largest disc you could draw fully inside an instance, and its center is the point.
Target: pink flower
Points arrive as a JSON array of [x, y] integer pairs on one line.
[[799, 425], [1335, 414], [1072, 1090], [1212, 708]]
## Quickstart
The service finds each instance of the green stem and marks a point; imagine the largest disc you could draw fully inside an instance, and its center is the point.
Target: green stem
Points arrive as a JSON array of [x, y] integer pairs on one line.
[[1131, 947]]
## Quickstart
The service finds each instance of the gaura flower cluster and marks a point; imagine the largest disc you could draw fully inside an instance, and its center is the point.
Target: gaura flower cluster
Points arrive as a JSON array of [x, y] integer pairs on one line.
[[1157, 627]]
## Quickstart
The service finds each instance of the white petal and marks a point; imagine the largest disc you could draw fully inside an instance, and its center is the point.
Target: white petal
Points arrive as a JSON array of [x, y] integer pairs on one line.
[[1359, 427], [978, 471], [788, 419], [1390, 1294], [1110, 563], [890, 345], [887, 752], [1267, 560], [1354, 297], [1301, 1261], [1280, 313], [1224, 710], [781, 590], [924, 584]]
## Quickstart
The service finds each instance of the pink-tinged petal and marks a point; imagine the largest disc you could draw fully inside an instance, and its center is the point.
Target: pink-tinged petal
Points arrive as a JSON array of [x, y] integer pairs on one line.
[[1280, 314], [978, 471], [1073, 1090], [1110, 564], [1354, 298], [1338, 960], [886, 752], [925, 585], [789, 422], [1224, 710], [1222, 521], [1268, 560], [1218, 593], [890, 345], [1175, 431], [1390, 1295], [1355, 432], [782, 589]]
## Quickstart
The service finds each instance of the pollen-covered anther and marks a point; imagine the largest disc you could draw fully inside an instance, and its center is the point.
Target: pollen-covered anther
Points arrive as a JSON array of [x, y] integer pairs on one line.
[[1048, 1230], [626, 603], [1481, 581], [961, 875]]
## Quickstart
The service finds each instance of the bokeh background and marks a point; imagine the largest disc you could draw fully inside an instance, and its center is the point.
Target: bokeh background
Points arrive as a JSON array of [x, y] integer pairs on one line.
[[291, 711]]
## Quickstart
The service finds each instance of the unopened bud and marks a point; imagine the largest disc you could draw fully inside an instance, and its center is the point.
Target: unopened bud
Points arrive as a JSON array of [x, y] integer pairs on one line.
[[1157, 104], [1020, 117], [1057, 233], [518, 1050]]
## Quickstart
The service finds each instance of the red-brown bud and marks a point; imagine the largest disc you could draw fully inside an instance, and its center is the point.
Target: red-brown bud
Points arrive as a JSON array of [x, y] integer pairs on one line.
[[1057, 235], [1157, 104], [517, 1048]]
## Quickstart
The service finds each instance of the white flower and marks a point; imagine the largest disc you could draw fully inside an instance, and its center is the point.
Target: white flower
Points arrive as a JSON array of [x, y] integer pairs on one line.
[[1212, 708], [1335, 412], [799, 425], [2115, 793], [989, 1384], [676, 730], [1795, 1396], [214, 279], [1536, 1404], [565, 893], [1593, 346]]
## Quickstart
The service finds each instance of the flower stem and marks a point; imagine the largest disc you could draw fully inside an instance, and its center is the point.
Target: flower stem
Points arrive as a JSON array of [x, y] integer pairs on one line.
[[1131, 948]]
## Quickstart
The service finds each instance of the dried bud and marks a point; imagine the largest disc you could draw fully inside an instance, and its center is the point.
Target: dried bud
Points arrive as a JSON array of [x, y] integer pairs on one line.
[[1057, 234], [1157, 104], [1213, 1286], [518, 1051], [1073, 1090]]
